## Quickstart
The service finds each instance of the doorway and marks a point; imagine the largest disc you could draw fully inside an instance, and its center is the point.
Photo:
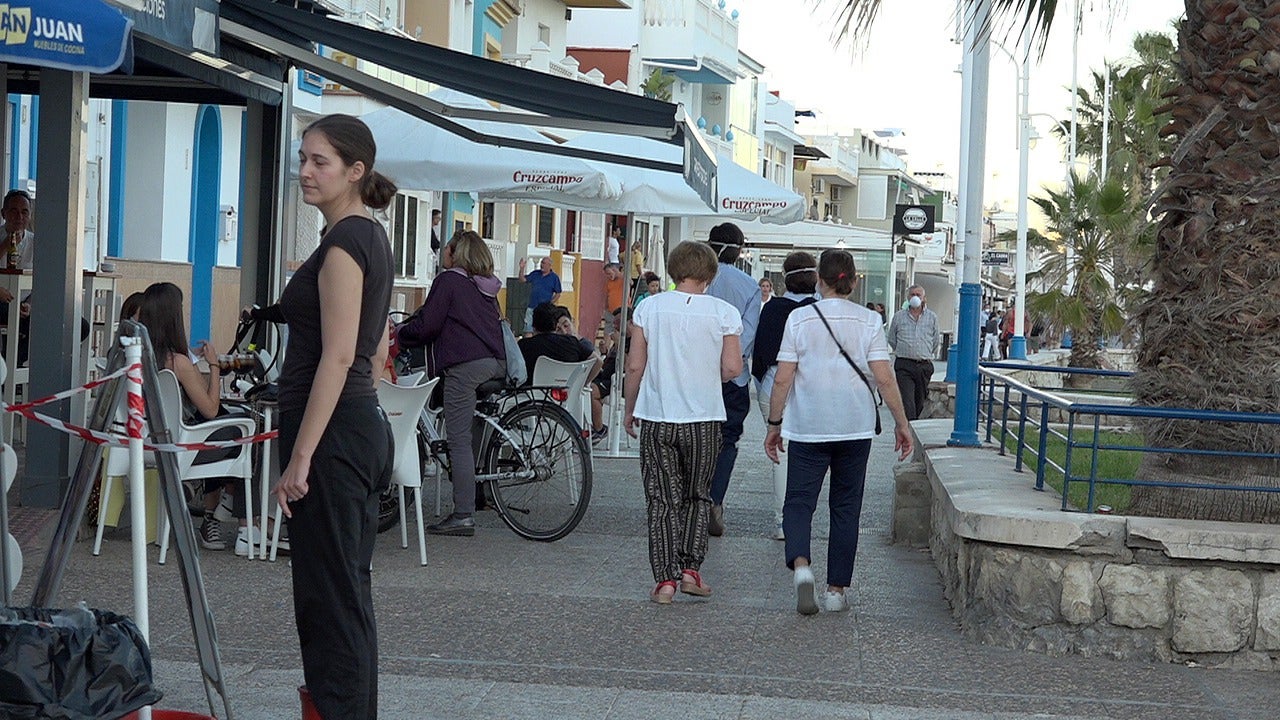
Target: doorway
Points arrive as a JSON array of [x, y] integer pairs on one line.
[[206, 177]]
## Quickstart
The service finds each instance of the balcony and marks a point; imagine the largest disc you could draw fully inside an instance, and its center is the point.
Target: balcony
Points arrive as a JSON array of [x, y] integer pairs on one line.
[[841, 163], [539, 58], [780, 119], [694, 39]]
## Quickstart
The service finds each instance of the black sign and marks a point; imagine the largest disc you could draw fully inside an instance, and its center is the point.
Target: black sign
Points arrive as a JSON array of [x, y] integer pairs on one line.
[[183, 24], [699, 165], [912, 219], [995, 257]]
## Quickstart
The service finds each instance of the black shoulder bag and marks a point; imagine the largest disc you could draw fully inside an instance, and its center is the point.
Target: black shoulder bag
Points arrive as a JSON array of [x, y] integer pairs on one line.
[[875, 399]]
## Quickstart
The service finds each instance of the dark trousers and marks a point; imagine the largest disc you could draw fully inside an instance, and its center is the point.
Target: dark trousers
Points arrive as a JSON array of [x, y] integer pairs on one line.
[[737, 403], [913, 381], [676, 460], [332, 533], [460, 383], [847, 460]]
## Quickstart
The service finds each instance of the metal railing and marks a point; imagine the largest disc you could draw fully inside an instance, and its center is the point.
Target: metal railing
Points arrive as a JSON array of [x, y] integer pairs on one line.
[[1007, 407]]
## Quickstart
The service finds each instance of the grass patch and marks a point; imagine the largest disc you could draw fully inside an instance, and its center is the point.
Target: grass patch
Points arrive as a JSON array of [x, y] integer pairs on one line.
[[1112, 464]]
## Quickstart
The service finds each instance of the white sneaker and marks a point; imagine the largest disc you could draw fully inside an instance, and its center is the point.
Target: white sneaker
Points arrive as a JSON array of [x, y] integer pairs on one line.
[[242, 542], [806, 604], [224, 511], [778, 534], [834, 601]]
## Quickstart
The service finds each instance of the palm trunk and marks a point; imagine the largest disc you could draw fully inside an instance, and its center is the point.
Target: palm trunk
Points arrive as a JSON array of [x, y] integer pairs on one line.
[[1211, 327]]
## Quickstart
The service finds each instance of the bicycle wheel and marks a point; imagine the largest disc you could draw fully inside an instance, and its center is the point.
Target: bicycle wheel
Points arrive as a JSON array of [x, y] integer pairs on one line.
[[547, 482]]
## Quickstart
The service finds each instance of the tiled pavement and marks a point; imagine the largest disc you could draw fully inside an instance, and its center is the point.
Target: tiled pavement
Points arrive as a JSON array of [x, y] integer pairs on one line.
[[497, 627]]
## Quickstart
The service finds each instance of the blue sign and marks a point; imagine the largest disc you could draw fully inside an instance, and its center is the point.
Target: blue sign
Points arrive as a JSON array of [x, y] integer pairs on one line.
[[84, 36]]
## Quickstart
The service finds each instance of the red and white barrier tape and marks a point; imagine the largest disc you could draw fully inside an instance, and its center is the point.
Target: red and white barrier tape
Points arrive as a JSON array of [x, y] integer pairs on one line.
[[19, 407], [111, 439], [135, 424]]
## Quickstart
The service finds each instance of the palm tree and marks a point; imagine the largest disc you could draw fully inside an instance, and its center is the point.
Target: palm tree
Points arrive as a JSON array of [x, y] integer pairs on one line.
[[1135, 146], [1210, 329], [1091, 218]]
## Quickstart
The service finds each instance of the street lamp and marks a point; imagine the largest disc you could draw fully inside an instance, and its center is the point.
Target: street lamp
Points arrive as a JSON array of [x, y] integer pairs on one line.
[[1022, 75]]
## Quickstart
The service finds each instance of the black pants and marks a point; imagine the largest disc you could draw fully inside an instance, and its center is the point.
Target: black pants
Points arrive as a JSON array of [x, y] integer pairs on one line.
[[737, 403], [332, 533], [913, 381]]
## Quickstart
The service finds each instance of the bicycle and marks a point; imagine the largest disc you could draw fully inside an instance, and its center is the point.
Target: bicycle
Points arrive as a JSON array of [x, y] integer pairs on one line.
[[533, 460]]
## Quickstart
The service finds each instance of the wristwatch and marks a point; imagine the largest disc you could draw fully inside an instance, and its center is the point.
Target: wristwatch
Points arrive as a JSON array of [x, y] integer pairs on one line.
[[774, 423]]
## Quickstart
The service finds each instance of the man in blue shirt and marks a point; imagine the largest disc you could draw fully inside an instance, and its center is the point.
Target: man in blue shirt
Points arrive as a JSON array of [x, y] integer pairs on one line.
[[742, 292], [544, 288]]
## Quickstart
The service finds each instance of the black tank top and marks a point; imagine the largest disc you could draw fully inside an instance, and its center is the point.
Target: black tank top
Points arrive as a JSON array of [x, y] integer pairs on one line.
[[366, 242]]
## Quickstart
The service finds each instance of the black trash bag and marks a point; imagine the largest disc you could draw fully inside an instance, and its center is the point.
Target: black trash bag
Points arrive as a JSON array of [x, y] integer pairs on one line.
[[77, 664]]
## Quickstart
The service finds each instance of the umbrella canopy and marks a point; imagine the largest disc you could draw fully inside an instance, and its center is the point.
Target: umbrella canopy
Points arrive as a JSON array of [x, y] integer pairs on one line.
[[743, 194], [420, 156]]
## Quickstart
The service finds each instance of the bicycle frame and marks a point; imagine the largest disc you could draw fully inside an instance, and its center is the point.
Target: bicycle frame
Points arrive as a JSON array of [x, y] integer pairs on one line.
[[430, 420]]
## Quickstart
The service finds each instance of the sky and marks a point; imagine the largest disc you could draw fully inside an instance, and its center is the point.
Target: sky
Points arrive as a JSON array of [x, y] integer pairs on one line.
[[907, 76]]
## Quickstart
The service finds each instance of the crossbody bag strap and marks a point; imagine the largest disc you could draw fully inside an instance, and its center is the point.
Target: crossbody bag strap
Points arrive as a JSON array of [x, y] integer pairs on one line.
[[875, 399]]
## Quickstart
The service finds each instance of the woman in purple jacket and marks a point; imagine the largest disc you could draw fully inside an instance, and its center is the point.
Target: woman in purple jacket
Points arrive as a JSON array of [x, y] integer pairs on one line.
[[462, 307]]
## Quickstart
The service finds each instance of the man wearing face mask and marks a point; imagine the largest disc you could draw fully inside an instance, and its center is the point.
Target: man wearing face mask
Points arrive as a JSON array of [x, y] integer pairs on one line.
[[913, 335]]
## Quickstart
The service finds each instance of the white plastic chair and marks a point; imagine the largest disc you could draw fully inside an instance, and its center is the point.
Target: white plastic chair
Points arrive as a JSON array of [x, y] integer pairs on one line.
[[117, 467], [403, 405], [571, 376], [239, 464]]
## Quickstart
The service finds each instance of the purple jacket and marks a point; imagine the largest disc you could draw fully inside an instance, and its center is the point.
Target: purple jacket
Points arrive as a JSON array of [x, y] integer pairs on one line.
[[459, 322]]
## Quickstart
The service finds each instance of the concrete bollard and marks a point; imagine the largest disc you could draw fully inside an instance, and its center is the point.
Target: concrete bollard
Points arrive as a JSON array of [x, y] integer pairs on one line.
[[912, 503]]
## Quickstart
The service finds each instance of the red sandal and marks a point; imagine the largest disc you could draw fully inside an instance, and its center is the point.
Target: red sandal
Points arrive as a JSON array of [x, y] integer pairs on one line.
[[660, 593], [694, 586]]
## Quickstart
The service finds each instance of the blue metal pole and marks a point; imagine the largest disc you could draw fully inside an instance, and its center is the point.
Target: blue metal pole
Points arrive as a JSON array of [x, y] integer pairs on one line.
[[965, 430], [1018, 347]]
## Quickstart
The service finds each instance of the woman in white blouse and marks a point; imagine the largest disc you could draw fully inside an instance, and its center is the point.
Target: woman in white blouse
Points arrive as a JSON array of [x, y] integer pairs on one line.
[[822, 403]]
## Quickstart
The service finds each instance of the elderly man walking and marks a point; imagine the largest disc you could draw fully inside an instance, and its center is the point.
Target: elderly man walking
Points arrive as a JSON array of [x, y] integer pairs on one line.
[[913, 335], [742, 292]]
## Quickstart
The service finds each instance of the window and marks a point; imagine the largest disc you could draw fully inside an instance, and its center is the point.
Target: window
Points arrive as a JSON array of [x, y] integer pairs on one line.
[[570, 231], [544, 34], [546, 226], [486, 220], [835, 193], [404, 235]]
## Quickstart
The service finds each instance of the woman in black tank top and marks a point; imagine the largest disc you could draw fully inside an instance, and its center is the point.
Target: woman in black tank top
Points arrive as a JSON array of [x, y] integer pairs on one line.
[[335, 445]]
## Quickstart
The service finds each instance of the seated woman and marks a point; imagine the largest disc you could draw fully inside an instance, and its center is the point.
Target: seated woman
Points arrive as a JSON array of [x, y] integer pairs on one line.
[[161, 312], [652, 286], [131, 305]]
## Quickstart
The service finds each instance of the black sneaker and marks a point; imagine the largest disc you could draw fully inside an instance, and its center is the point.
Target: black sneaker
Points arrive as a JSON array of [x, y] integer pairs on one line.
[[454, 525], [211, 534], [599, 435]]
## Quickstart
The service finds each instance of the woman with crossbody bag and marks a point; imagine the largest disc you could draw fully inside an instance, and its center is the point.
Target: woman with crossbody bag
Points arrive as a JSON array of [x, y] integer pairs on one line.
[[461, 324], [824, 405]]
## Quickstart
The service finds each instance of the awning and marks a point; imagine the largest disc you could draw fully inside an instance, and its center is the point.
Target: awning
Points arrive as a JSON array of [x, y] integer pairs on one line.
[[417, 155], [741, 193], [85, 36], [575, 104]]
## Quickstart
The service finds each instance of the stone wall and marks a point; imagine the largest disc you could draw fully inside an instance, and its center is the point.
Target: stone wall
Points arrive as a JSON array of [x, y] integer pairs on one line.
[[1020, 573]]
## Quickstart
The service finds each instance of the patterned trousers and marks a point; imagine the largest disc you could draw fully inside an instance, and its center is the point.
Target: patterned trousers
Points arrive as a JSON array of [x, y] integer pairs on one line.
[[677, 461]]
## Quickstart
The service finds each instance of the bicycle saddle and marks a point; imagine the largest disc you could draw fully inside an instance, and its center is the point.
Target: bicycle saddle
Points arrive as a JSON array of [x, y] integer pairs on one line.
[[489, 387]]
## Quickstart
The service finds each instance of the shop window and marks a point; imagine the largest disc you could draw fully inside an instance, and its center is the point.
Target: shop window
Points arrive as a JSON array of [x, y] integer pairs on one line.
[[404, 235], [546, 226]]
